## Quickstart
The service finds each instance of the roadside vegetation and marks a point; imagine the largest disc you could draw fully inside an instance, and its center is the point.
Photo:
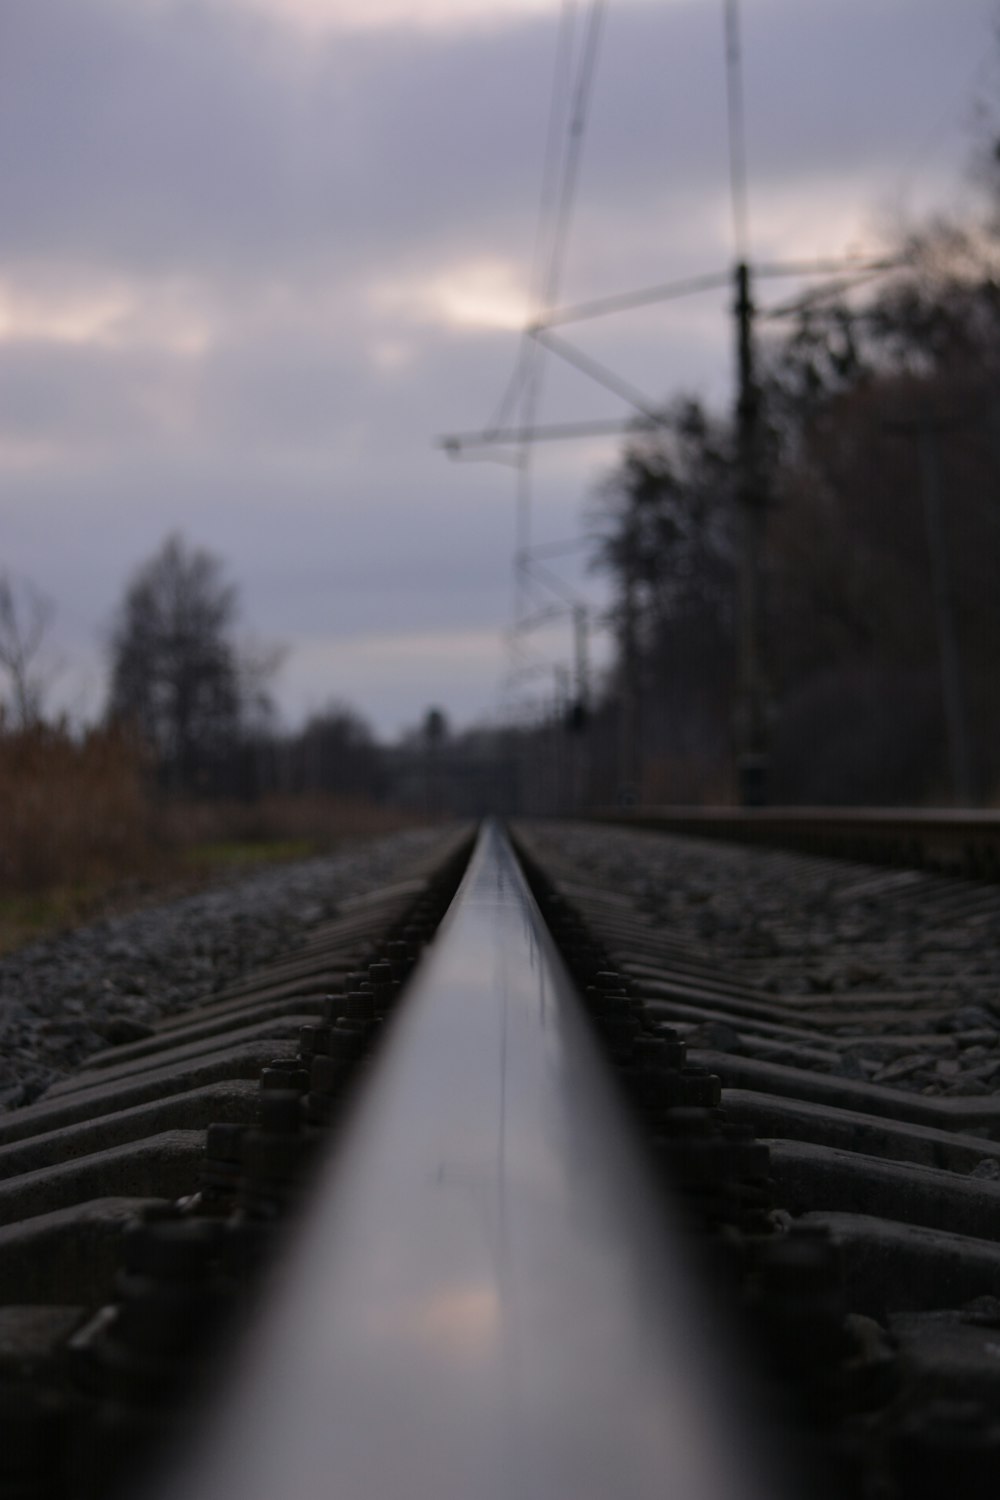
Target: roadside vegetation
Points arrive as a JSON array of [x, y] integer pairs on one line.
[[85, 831]]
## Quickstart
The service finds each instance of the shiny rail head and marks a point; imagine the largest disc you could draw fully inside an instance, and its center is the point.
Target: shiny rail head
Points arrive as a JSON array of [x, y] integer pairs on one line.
[[484, 1301]]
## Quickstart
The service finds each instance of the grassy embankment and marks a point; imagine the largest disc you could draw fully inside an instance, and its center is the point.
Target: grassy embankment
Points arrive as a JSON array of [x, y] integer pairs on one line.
[[80, 835]]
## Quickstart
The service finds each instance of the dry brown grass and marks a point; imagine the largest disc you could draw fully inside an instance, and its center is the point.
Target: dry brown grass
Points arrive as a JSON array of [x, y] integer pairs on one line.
[[314, 821], [72, 811], [78, 811], [80, 833]]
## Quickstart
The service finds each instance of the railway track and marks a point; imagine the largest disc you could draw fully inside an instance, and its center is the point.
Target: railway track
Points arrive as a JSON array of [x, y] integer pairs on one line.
[[730, 1227], [925, 838]]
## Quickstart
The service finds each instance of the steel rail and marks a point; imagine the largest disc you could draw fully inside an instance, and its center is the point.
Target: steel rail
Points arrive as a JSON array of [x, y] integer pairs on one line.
[[956, 840], [485, 1300]]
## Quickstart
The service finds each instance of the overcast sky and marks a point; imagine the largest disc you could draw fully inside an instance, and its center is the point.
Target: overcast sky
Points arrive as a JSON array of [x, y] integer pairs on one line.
[[256, 254]]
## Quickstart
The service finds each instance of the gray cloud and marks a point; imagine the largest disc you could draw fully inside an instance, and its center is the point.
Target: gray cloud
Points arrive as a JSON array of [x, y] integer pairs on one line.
[[183, 137], [279, 226]]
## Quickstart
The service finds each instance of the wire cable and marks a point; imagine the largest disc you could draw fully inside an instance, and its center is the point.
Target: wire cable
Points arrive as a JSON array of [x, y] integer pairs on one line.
[[561, 83], [550, 188], [625, 301], [817, 295], [571, 166], [531, 384], [558, 193], [737, 132], [598, 372], [558, 197], [564, 204]]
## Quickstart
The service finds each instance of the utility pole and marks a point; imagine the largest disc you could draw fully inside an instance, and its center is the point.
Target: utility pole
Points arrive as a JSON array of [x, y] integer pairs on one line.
[[579, 748], [927, 433], [629, 710], [751, 719], [751, 704], [581, 660]]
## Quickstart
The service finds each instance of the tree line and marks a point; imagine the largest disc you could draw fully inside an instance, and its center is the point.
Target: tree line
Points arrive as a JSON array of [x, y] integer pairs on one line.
[[195, 699], [189, 713], [200, 701], [882, 561]]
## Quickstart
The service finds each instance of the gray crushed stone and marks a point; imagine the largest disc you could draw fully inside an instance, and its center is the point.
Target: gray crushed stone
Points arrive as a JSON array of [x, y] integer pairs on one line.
[[66, 997], [920, 947]]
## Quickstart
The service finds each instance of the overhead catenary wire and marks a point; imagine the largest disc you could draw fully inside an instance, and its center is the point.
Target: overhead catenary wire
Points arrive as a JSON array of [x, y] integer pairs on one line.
[[815, 297], [561, 83], [571, 169], [457, 443], [737, 132], [515, 424], [664, 291], [560, 174], [554, 583], [554, 147], [563, 203], [557, 203], [832, 265], [523, 396], [520, 396], [597, 371]]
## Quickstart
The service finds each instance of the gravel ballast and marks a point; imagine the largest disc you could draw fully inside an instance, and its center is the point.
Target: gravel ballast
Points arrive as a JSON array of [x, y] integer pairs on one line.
[[64, 998], [896, 971]]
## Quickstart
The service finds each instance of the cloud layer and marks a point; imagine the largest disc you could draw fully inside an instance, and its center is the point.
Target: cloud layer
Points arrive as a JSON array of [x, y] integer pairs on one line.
[[254, 255]]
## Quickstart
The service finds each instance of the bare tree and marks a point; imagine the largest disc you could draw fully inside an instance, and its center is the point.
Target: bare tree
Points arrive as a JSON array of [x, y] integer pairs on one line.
[[25, 617], [258, 663], [336, 752], [175, 671]]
